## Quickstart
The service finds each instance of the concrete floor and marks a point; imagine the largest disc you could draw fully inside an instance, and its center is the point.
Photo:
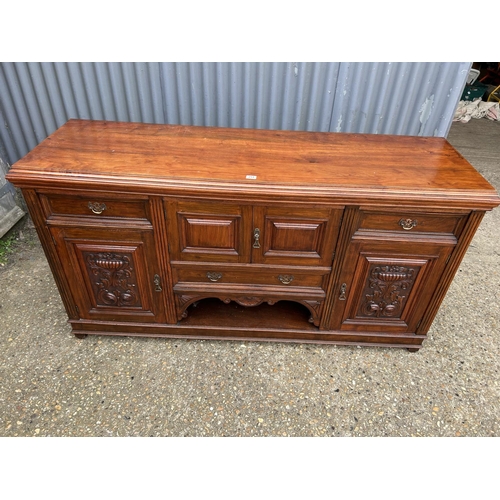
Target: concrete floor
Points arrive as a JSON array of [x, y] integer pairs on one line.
[[55, 385]]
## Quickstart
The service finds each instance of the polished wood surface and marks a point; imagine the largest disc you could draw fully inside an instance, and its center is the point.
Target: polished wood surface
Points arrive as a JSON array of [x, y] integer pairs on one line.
[[197, 232], [128, 155]]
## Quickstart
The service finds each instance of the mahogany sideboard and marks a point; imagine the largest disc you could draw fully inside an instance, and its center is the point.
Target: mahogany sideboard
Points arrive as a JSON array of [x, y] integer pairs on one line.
[[201, 232]]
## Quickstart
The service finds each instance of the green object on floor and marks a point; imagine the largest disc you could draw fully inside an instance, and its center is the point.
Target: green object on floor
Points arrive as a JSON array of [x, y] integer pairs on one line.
[[473, 92]]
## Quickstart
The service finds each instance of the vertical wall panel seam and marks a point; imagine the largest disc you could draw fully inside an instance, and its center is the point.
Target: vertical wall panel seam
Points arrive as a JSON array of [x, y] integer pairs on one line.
[[28, 128], [106, 75], [163, 91], [46, 109], [30, 100], [65, 93], [55, 94], [342, 65]]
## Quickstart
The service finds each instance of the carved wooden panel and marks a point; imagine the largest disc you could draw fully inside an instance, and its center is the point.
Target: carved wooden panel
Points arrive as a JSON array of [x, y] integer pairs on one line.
[[386, 291], [113, 279], [116, 277], [386, 285]]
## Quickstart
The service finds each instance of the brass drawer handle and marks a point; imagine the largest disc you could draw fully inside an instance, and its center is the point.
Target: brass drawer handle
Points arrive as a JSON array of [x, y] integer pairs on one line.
[[157, 282], [97, 207], [256, 238], [407, 224], [214, 276], [286, 279], [343, 289]]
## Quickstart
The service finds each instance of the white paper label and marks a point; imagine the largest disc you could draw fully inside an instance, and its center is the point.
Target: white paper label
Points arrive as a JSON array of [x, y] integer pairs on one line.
[[252, 177]]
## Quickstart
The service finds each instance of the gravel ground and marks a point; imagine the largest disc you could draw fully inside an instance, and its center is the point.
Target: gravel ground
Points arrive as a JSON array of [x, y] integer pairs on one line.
[[53, 384]]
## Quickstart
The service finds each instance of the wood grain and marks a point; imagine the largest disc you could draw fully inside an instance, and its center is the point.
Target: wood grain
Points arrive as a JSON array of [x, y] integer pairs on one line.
[[349, 166], [198, 232]]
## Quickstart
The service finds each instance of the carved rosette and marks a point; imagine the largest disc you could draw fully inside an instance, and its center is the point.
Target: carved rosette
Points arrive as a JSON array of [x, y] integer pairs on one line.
[[113, 279], [387, 290]]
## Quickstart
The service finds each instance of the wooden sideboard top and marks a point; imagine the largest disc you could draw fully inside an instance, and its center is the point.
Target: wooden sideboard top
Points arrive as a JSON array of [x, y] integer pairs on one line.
[[353, 168]]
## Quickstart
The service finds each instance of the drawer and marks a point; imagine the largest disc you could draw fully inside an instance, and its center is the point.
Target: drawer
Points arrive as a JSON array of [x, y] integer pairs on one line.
[[250, 286], [285, 278], [412, 222], [94, 206]]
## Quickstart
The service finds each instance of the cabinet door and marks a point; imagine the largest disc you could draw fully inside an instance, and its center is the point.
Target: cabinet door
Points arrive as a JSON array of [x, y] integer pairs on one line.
[[386, 286], [209, 231], [295, 236], [113, 273]]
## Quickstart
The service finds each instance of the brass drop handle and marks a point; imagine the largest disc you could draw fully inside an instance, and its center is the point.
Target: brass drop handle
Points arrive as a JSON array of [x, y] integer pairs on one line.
[[407, 224], [343, 289], [157, 282], [286, 279], [97, 207], [256, 238], [214, 276]]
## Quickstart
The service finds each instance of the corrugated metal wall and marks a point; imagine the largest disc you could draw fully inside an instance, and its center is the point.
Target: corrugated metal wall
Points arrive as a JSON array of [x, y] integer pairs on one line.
[[382, 98]]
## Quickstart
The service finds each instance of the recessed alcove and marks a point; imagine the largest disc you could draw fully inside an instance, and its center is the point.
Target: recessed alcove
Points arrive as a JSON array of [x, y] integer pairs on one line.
[[283, 314]]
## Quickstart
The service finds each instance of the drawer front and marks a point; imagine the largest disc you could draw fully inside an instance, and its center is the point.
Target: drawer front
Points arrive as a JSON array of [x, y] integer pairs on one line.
[[94, 206], [281, 278], [411, 222]]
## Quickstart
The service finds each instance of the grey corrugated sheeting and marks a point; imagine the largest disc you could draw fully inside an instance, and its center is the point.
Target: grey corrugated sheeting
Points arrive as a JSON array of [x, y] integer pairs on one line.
[[287, 96], [381, 98], [398, 98]]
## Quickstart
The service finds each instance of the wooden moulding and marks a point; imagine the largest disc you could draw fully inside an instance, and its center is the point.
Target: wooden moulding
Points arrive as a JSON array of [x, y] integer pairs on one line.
[[167, 160], [284, 322]]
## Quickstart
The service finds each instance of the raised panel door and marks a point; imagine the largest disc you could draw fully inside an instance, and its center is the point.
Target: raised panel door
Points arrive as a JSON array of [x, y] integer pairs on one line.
[[208, 231], [113, 273], [295, 235], [386, 286]]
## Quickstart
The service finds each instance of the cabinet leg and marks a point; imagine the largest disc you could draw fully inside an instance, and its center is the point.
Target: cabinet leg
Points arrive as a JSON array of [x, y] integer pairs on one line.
[[80, 335], [413, 349]]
